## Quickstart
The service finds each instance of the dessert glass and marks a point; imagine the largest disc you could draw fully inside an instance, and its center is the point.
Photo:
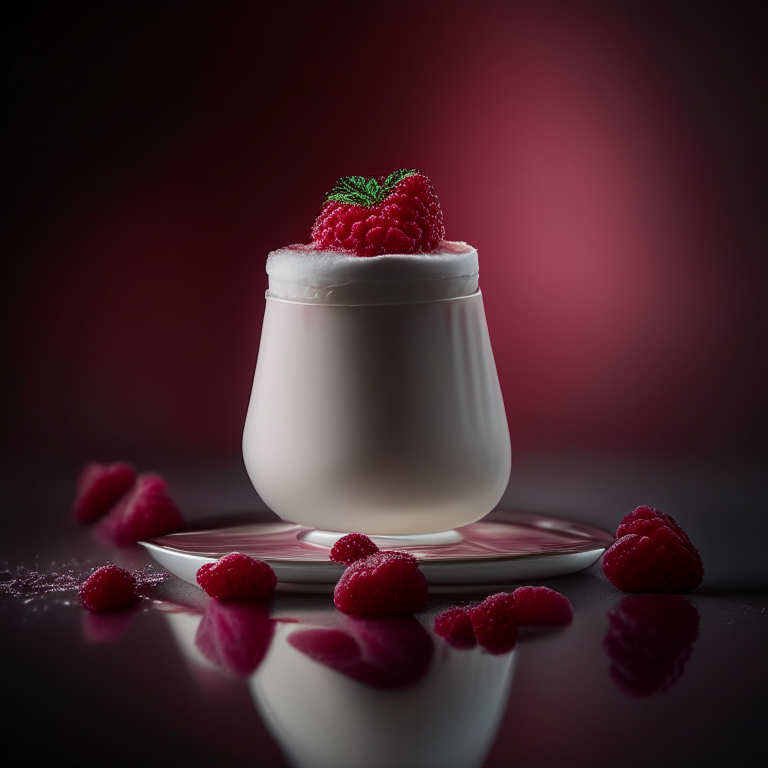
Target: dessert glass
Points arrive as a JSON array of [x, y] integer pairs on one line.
[[382, 418]]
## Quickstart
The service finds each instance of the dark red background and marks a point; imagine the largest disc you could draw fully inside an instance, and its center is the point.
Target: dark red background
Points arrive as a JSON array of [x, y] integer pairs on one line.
[[607, 160]]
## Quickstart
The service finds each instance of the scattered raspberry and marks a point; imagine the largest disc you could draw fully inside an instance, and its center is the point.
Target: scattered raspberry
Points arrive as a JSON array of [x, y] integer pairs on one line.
[[352, 547], [235, 636], [145, 512], [100, 487], [382, 583], [108, 589], [455, 625], [370, 217], [652, 553], [384, 652], [495, 623], [237, 577], [649, 641], [541, 607]]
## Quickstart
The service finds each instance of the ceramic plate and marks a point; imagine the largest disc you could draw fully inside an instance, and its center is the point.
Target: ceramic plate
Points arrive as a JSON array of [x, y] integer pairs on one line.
[[502, 549]]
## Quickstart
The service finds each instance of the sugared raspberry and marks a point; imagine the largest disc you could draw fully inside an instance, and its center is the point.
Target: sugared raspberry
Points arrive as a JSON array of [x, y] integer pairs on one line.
[[383, 583], [649, 641], [455, 625], [652, 553], [100, 487], [237, 577], [495, 623], [352, 547], [370, 217], [108, 588], [143, 513], [235, 636], [541, 607]]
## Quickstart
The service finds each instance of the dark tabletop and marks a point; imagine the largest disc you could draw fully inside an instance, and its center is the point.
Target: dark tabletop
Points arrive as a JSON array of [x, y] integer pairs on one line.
[[183, 680]]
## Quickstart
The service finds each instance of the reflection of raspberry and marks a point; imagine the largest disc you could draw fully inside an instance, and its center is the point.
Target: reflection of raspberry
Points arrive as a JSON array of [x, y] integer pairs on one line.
[[144, 513], [649, 641], [382, 652], [235, 636], [495, 623], [370, 217], [541, 607], [652, 553], [100, 487], [383, 583], [352, 547], [455, 625], [237, 577], [108, 588]]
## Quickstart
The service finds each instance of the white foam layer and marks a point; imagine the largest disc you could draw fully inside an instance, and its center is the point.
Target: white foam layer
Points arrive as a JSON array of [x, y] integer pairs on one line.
[[301, 273]]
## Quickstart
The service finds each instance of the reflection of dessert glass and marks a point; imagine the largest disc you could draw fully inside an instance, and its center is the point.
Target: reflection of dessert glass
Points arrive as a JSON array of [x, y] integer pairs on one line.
[[376, 406], [322, 716]]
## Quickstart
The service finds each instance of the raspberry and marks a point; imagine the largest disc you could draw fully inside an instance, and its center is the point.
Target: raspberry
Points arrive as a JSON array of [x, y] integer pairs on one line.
[[370, 217], [382, 583], [652, 553], [235, 636], [649, 641], [108, 588], [100, 487], [237, 577], [145, 512], [386, 652], [455, 625], [495, 623], [352, 547], [541, 607]]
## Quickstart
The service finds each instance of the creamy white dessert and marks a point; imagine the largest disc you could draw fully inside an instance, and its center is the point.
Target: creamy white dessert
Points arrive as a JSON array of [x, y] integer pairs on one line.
[[376, 406], [306, 274]]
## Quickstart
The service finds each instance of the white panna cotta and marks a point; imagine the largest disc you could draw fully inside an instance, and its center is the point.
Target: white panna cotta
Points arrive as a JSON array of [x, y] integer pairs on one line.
[[302, 273], [376, 406]]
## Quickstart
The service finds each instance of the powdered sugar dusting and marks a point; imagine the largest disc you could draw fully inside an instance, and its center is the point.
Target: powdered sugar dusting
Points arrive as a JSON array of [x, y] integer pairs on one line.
[[30, 585]]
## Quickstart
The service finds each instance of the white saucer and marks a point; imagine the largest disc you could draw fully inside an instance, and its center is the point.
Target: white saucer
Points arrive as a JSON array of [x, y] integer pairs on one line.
[[502, 549]]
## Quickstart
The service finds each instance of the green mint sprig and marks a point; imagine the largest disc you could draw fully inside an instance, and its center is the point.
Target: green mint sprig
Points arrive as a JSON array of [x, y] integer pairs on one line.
[[359, 190]]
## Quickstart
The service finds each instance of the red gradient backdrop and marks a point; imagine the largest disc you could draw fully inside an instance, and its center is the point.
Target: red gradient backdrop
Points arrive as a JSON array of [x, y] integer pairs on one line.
[[607, 160]]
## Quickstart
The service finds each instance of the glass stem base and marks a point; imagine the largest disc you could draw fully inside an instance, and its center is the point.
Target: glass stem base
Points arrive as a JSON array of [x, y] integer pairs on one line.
[[385, 541]]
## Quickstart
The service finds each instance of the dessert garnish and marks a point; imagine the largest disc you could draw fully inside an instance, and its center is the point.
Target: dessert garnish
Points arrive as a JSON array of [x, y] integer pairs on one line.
[[352, 547], [100, 487], [237, 577], [494, 623], [144, 512], [649, 641], [109, 588], [383, 583], [652, 553], [541, 607], [455, 626], [375, 216]]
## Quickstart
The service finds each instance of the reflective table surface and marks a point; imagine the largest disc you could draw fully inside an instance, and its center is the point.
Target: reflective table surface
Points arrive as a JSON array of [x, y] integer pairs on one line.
[[185, 680]]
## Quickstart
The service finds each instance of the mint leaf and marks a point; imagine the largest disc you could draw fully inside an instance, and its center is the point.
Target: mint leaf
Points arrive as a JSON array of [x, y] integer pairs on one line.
[[352, 190], [395, 178], [359, 190]]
